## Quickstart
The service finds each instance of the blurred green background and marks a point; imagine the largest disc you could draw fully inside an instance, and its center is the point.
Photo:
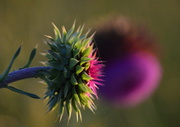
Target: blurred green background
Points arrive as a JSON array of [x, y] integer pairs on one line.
[[27, 21]]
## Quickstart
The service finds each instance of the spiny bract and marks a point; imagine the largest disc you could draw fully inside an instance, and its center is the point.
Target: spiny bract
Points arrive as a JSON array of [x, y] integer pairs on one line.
[[75, 71]]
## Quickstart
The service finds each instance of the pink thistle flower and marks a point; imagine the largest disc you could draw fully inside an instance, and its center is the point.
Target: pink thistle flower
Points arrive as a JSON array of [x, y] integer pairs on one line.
[[131, 79], [132, 69]]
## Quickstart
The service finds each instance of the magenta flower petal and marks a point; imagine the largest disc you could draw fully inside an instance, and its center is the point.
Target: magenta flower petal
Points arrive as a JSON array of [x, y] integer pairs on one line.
[[95, 71]]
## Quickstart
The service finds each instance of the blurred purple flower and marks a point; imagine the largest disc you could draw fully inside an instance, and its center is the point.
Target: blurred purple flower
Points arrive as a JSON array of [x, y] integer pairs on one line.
[[132, 69], [131, 79]]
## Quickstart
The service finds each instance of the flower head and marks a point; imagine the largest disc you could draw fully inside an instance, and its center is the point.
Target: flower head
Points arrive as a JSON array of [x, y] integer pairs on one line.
[[131, 79], [132, 69], [75, 72]]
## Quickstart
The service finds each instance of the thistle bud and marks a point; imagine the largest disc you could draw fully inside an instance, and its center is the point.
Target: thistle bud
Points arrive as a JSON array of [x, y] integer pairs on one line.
[[75, 72]]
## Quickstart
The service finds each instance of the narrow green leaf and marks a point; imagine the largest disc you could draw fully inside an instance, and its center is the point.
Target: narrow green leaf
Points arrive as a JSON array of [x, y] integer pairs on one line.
[[81, 30], [82, 86], [22, 92], [73, 38], [83, 98], [57, 33], [72, 62], [75, 95], [76, 52], [84, 60], [5, 73], [60, 95], [77, 116], [79, 45], [54, 55], [85, 35], [49, 37], [46, 55], [86, 77], [61, 110], [80, 116], [52, 103], [88, 40], [53, 46], [87, 65], [64, 34], [87, 51], [74, 105], [68, 51], [64, 30], [45, 79], [66, 89], [69, 109], [79, 69], [31, 57], [73, 80], [72, 29]]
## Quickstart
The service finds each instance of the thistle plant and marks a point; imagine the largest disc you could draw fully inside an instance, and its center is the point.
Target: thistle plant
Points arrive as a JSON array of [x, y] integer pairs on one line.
[[72, 72]]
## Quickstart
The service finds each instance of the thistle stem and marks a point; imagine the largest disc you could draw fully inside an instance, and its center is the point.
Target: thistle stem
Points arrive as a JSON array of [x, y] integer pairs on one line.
[[21, 74]]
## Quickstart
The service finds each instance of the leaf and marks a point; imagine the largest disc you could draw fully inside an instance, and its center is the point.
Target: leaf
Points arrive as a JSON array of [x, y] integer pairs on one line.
[[73, 80], [85, 35], [61, 109], [86, 77], [73, 62], [72, 29], [31, 57], [81, 30], [79, 69], [87, 65], [60, 94], [73, 38], [57, 33], [75, 95], [84, 60], [45, 79], [76, 52], [66, 89], [64, 33], [53, 46], [49, 37], [69, 109], [82, 86], [83, 98], [54, 55], [80, 116], [22, 92], [68, 51], [88, 40], [5, 73], [76, 108], [52, 103], [87, 51]]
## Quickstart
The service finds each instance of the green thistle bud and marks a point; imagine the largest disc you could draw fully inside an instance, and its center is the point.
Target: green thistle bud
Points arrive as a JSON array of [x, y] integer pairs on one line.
[[75, 71]]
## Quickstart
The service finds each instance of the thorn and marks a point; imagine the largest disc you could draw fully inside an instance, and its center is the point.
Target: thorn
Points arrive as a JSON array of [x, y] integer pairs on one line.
[[37, 45]]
